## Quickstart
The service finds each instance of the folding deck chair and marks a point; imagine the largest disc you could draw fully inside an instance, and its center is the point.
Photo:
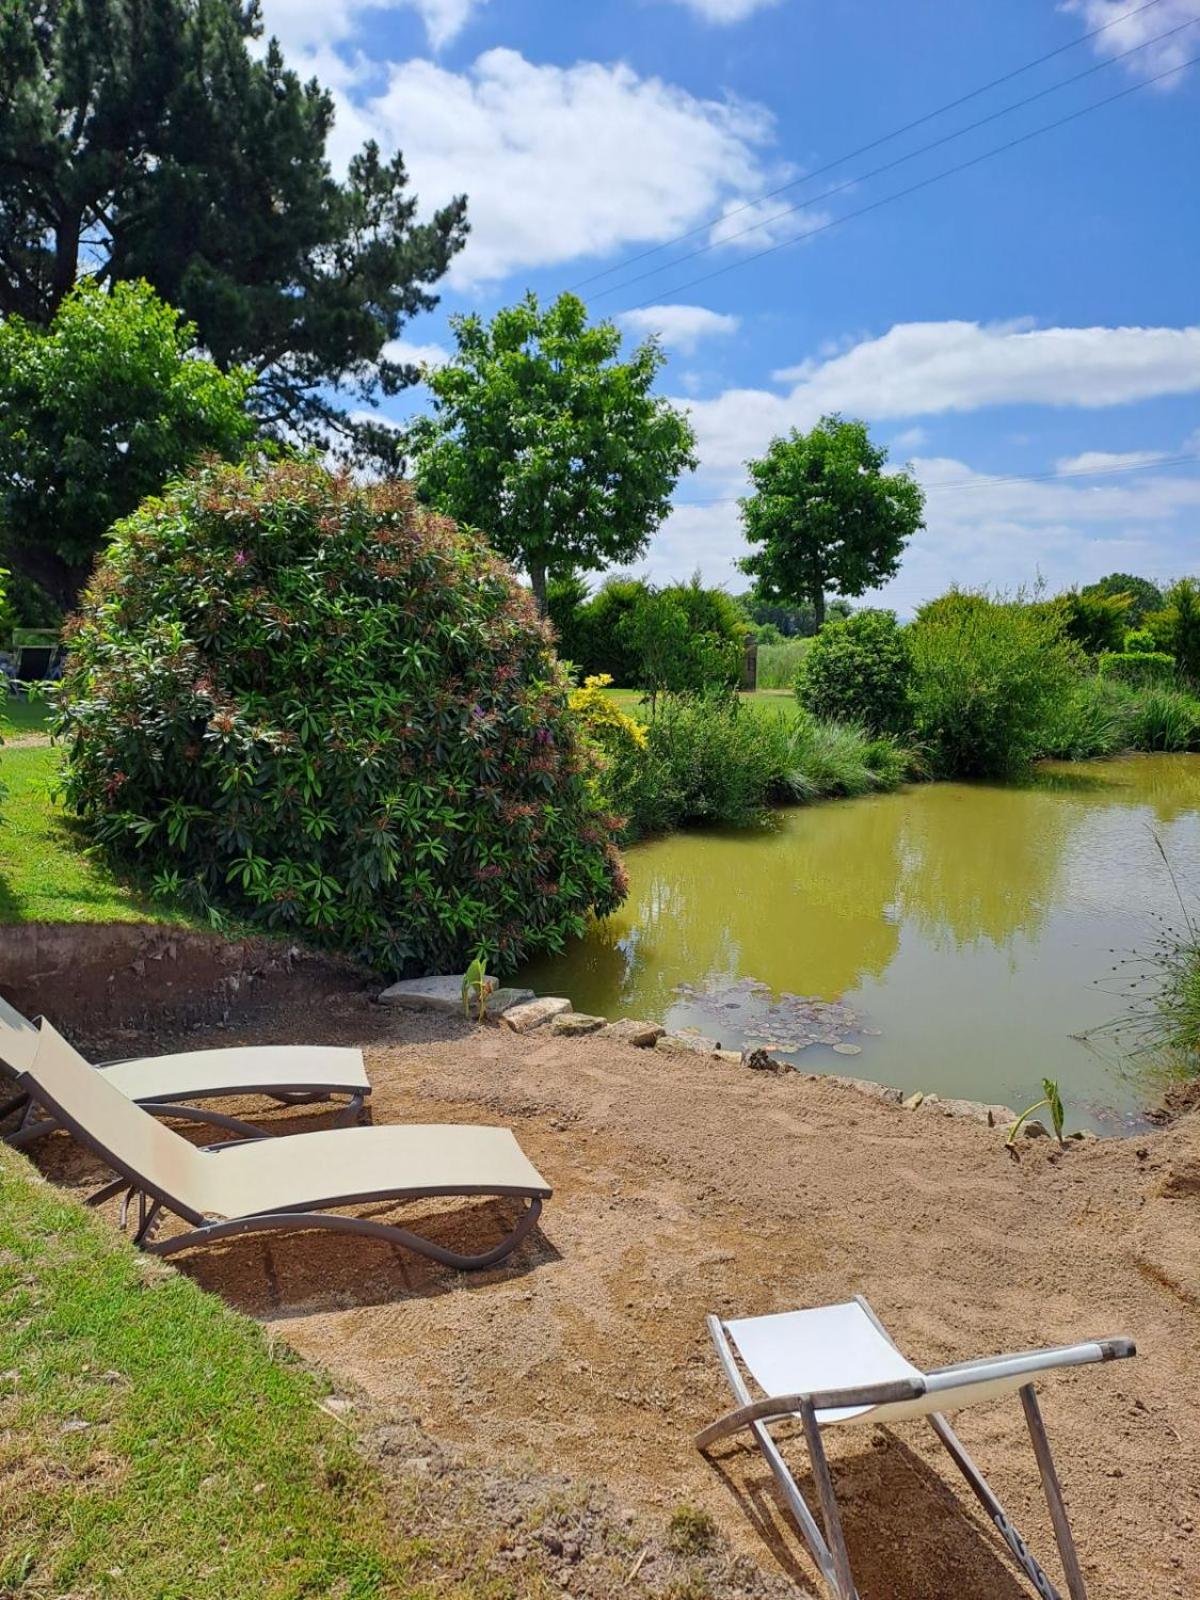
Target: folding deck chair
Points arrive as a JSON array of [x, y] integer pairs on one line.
[[294, 1182], [837, 1364], [289, 1074]]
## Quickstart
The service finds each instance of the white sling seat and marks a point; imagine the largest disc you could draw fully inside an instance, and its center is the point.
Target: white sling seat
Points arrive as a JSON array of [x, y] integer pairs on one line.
[[835, 1365], [289, 1074]]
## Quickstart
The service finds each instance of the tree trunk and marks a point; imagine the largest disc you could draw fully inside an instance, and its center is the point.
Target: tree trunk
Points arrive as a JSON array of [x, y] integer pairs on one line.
[[537, 582], [818, 601]]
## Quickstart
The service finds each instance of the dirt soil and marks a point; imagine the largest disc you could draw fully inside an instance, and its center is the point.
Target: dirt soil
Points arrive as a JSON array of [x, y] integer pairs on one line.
[[685, 1185]]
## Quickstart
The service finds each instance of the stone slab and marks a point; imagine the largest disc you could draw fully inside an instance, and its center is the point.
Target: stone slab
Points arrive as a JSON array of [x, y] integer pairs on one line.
[[534, 1013], [427, 994], [502, 1000], [573, 1024], [687, 1044], [877, 1091], [642, 1035]]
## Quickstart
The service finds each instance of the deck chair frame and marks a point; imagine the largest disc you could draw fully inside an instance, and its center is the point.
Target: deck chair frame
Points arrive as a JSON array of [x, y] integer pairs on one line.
[[37, 1123], [827, 1543], [152, 1202]]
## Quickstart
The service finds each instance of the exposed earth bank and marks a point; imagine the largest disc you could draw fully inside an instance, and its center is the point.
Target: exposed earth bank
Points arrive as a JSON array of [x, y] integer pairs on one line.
[[685, 1185]]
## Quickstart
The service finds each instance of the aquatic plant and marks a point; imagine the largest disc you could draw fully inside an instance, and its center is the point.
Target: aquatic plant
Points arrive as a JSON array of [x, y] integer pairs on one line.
[[1165, 719]]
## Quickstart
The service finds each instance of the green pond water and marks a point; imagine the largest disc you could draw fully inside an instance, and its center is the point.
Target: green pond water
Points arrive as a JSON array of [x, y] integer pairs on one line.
[[959, 937]]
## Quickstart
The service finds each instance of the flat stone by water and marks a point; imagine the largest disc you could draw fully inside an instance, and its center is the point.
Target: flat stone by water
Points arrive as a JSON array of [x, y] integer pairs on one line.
[[534, 1013], [442, 993]]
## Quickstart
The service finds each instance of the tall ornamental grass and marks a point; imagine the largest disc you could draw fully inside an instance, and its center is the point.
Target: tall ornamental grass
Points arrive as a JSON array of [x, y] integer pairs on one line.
[[779, 663], [709, 759]]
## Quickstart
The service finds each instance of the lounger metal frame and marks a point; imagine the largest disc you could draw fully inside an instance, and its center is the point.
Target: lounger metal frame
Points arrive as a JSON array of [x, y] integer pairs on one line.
[[296, 1218], [35, 1124], [828, 1546]]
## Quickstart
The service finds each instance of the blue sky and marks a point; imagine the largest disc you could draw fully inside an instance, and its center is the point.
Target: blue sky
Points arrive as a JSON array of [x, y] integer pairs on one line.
[[1036, 314]]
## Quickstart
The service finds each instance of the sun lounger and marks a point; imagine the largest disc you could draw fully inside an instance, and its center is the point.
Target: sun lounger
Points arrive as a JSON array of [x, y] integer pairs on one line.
[[289, 1074], [836, 1364], [294, 1182]]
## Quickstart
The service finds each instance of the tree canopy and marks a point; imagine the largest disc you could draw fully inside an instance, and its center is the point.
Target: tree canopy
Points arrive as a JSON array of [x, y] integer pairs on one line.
[[97, 411], [1144, 596], [147, 141], [826, 515], [546, 441]]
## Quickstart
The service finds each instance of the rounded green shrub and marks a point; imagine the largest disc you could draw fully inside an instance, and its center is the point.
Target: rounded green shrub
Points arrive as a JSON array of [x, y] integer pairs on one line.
[[989, 676], [1138, 667], [857, 671], [319, 706]]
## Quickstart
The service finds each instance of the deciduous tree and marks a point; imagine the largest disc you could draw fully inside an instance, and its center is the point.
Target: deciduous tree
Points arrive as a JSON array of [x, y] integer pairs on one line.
[[97, 411], [826, 515], [548, 442]]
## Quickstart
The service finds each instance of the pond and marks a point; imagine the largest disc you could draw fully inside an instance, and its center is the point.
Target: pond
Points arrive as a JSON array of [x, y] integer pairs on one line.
[[955, 938]]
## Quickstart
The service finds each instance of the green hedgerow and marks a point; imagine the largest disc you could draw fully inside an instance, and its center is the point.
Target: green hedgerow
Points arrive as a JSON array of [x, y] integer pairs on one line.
[[857, 671], [1137, 667], [319, 706]]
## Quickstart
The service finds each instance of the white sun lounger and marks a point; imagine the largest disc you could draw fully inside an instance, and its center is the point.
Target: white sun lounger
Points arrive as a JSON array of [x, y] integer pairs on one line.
[[289, 1074], [294, 1182], [836, 1364]]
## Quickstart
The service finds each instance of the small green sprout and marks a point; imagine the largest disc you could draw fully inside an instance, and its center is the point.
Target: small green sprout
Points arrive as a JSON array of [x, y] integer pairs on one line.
[[475, 978], [1052, 1102]]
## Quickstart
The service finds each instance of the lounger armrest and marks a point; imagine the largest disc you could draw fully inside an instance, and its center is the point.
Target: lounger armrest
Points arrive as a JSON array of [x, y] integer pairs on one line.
[[1032, 1362], [775, 1407]]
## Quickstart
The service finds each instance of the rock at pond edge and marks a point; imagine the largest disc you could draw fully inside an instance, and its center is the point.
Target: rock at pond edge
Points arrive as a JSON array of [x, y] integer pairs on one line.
[[525, 1018], [642, 1035], [573, 1024]]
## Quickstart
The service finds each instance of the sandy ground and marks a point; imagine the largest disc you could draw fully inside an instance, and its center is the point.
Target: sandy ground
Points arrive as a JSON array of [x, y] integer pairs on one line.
[[684, 1186]]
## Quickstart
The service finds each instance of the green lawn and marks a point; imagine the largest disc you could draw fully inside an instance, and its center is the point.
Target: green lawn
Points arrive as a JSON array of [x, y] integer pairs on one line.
[[630, 700], [22, 716], [152, 1446], [44, 874]]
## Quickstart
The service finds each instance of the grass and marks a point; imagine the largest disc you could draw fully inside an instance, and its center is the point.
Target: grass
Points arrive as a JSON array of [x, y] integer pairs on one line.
[[630, 701], [45, 876], [19, 717], [152, 1444]]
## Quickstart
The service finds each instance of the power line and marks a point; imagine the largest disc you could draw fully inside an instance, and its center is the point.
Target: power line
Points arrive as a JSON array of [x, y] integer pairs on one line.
[[987, 483], [898, 161], [924, 183], [865, 149]]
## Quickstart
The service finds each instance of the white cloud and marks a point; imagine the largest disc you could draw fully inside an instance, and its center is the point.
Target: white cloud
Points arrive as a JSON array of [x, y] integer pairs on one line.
[[304, 26], [927, 368], [764, 222], [563, 162], [978, 532], [910, 439], [1107, 460], [679, 327], [416, 355], [1127, 32], [725, 11]]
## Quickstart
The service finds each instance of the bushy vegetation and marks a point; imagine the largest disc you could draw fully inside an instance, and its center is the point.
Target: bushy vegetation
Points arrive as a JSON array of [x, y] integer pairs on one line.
[[318, 706], [1176, 627], [679, 638], [989, 676], [100, 408], [778, 664], [1097, 621], [1144, 596], [1165, 719], [712, 759], [1138, 667], [858, 671]]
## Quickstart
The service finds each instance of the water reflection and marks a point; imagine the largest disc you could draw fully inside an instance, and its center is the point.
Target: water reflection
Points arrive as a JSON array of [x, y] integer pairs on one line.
[[974, 925]]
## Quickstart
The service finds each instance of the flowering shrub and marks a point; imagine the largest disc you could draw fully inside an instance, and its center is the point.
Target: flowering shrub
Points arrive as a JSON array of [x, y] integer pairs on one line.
[[605, 722], [321, 707]]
